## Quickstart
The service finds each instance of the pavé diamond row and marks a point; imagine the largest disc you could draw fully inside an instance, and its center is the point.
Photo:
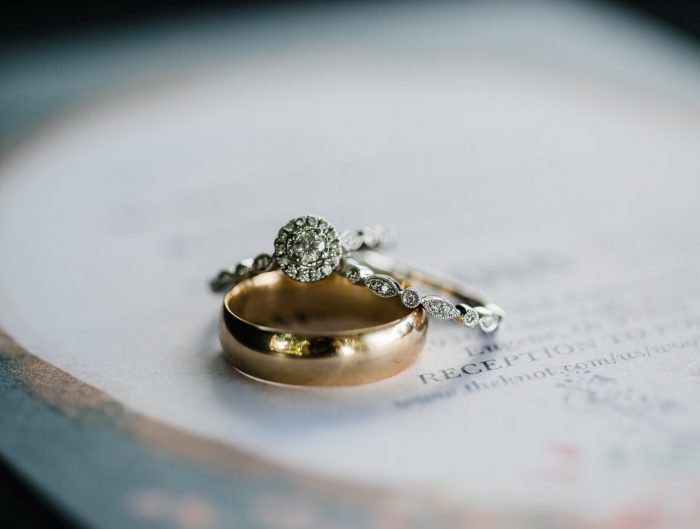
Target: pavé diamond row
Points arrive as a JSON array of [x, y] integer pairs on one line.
[[472, 311]]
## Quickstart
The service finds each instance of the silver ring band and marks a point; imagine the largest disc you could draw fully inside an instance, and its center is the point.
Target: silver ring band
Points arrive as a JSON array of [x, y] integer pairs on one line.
[[383, 276]]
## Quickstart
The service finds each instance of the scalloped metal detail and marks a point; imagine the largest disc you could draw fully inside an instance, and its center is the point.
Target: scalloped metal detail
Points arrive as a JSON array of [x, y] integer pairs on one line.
[[383, 286], [439, 308]]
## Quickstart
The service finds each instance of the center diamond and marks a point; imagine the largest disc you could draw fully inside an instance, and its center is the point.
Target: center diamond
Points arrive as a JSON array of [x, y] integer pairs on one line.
[[308, 248]]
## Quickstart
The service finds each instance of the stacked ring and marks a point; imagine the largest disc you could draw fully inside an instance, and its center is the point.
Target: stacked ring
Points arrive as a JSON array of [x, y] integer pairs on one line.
[[279, 330], [308, 249], [296, 316]]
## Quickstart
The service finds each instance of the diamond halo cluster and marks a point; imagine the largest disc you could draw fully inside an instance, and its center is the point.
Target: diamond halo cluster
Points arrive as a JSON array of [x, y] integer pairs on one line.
[[308, 248]]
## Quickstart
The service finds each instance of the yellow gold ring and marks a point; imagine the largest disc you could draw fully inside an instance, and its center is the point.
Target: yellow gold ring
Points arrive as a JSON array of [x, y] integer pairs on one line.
[[326, 333]]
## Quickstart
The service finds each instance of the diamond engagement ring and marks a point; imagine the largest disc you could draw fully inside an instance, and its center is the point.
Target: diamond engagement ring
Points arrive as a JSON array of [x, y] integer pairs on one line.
[[309, 249]]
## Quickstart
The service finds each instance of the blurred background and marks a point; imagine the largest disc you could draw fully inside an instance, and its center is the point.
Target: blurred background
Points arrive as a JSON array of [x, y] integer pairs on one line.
[[39, 46], [26, 23]]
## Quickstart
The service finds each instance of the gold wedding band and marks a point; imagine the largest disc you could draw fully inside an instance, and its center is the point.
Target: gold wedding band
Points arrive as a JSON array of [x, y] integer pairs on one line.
[[325, 333]]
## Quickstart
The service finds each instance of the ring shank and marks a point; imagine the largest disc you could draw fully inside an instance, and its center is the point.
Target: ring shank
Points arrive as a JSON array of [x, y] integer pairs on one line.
[[276, 302], [416, 275]]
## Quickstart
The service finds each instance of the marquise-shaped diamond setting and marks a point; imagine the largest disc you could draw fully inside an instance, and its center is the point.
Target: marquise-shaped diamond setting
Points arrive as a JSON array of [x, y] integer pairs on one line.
[[383, 286], [439, 308]]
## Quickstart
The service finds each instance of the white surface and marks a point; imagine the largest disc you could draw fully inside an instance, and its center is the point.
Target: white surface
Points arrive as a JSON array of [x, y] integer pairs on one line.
[[550, 155]]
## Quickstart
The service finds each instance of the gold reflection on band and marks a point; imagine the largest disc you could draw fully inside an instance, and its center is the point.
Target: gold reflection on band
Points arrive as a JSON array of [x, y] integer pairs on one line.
[[288, 343]]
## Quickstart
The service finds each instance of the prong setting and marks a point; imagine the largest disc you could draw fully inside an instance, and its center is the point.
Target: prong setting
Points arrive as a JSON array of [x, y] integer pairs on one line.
[[488, 321], [470, 317], [308, 248], [410, 298]]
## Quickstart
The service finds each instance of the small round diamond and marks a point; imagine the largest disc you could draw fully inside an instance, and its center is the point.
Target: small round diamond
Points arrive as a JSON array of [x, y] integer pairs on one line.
[[351, 240], [470, 318], [242, 270], [307, 248], [410, 298], [488, 323], [262, 262], [353, 275], [370, 237]]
